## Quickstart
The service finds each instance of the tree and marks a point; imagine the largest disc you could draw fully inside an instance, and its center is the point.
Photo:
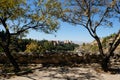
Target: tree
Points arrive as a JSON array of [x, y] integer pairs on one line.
[[48, 46], [92, 14], [32, 47], [18, 16], [116, 5]]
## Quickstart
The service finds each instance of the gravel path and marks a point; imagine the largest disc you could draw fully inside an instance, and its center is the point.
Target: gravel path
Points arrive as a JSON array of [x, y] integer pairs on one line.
[[65, 73]]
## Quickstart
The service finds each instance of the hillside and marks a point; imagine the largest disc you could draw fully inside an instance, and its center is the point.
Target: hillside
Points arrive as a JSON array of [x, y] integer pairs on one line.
[[106, 41], [93, 48]]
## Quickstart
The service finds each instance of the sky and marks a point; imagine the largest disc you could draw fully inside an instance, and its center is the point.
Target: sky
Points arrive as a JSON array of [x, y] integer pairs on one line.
[[77, 34]]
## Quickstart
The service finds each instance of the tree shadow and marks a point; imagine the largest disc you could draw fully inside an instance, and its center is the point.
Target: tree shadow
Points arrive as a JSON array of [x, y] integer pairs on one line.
[[30, 77], [114, 70], [64, 73]]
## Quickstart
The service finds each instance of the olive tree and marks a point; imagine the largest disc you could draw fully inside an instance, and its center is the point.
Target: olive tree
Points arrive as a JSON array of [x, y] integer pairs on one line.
[[19, 16], [92, 14]]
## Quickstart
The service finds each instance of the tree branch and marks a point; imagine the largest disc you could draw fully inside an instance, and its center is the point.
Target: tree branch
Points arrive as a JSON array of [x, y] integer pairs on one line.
[[99, 45], [86, 4], [26, 27], [117, 9], [90, 32], [80, 5], [115, 43], [101, 19], [114, 40]]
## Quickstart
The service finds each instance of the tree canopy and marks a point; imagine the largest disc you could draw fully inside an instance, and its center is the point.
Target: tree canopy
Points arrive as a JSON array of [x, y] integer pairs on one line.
[[17, 17], [92, 14], [22, 15]]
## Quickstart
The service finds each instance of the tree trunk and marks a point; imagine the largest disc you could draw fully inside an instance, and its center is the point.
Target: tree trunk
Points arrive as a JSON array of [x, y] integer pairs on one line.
[[6, 39], [104, 64], [12, 60]]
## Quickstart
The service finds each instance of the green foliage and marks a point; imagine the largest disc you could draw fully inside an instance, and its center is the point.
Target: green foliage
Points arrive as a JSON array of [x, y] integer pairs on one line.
[[32, 47], [94, 48], [19, 45], [48, 45], [83, 44], [107, 40], [1, 50], [21, 15], [90, 48], [11, 9], [43, 46], [105, 43]]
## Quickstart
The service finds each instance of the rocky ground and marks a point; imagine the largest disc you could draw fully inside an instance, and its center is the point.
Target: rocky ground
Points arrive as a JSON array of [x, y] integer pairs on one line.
[[66, 73]]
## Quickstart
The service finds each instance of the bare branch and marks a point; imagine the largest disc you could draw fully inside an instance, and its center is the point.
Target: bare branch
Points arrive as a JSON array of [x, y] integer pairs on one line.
[[117, 8], [80, 5], [86, 4], [28, 26], [100, 21], [90, 32]]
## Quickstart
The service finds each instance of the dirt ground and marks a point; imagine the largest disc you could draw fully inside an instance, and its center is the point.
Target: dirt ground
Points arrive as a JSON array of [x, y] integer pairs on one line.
[[85, 72]]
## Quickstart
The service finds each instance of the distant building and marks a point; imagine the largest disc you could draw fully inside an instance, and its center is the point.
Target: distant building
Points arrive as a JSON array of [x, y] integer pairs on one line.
[[67, 41], [57, 42]]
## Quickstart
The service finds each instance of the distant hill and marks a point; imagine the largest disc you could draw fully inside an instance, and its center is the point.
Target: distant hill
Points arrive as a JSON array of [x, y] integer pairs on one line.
[[92, 47]]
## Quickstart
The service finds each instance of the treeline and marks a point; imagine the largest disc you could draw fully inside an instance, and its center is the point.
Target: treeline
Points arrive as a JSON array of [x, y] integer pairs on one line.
[[43, 46]]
